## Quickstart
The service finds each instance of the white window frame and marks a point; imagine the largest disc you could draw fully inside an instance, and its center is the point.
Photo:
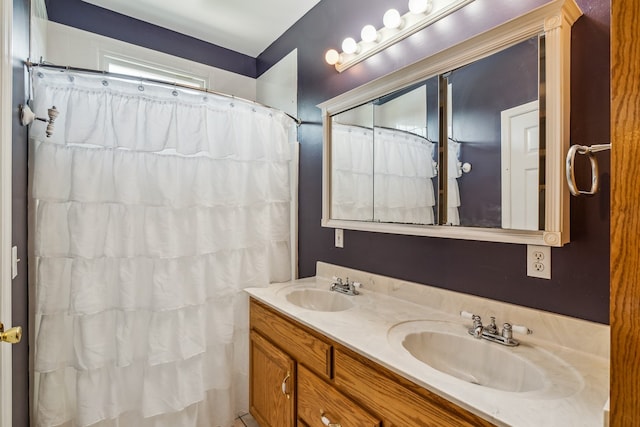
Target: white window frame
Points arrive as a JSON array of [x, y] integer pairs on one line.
[[120, 64]]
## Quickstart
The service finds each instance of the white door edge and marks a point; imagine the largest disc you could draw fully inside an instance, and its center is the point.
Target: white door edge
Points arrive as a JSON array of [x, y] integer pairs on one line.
[[7, 112]]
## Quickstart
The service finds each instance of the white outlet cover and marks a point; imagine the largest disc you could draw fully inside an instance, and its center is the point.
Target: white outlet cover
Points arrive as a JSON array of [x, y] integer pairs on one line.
[[339, 238], [539, 261]]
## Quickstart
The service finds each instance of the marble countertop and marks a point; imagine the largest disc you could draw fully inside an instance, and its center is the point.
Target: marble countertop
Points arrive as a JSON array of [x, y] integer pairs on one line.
[[578, 384]]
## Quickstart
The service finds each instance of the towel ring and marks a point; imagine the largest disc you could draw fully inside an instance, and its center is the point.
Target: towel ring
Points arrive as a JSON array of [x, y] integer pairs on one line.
[[571, 179]]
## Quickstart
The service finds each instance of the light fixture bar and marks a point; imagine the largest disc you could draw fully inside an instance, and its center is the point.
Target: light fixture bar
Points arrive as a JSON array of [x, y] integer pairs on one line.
[[411, 23]]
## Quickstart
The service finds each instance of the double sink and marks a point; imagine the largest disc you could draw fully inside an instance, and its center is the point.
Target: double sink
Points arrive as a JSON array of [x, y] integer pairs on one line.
[[447, 347]]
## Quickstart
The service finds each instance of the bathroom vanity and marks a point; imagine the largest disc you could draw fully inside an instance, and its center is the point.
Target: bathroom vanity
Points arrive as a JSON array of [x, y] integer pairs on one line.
[[320, 358]]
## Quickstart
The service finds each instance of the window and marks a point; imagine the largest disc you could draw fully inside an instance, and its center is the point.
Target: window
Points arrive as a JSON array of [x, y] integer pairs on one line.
[[131, 67]]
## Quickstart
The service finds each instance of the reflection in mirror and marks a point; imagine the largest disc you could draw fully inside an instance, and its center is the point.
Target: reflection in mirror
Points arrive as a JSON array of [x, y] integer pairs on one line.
[[494, 124], [405, 154], [352, 164]]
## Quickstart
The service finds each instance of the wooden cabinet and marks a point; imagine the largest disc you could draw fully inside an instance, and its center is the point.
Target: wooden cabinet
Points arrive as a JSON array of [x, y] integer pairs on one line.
[[329, 384], [402, 402], [272, 379], [299, 342]]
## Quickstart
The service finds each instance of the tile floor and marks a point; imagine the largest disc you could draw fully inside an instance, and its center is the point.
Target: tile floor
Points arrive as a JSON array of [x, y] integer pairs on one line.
[[246, 421]]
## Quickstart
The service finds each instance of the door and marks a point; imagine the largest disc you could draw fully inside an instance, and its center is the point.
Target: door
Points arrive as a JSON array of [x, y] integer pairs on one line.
[[625, 213], [272, 384], [6, 27], [520, 146]]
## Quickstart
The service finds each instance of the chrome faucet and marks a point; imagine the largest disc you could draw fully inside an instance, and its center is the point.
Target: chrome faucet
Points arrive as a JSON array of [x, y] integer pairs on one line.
[[346, 287], [492, 333]]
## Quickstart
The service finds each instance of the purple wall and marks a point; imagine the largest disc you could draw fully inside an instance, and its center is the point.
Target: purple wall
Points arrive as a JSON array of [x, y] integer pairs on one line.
[[580, 270]]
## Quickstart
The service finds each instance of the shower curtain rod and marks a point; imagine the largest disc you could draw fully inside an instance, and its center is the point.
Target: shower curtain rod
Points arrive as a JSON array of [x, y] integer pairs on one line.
[[30, 64]]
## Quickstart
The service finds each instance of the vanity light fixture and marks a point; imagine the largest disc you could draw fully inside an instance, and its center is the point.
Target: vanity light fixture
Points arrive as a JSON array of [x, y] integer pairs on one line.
[[332, 57], [369, 34], [392, 19], [396, 27], [349, 46], [420, 6]]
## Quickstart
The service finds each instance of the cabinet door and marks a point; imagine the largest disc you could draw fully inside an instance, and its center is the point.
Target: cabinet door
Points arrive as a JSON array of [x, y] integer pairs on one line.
[[271, 388], [302, 345], [320, 405]]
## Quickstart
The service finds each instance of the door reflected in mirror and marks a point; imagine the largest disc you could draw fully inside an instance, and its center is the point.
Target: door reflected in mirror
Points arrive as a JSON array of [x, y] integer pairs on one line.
[[493, 125]]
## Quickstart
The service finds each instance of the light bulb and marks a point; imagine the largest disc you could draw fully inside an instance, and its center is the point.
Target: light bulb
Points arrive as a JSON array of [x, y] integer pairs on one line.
[[369, 34], [420, 6], [349, 45], [332, 57], [392, 19]]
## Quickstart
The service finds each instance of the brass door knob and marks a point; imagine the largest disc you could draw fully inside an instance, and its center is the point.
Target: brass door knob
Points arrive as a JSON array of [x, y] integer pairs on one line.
[[12, 336]]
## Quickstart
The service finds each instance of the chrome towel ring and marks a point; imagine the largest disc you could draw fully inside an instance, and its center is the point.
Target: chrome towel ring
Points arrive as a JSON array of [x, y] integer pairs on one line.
[[571, 179]]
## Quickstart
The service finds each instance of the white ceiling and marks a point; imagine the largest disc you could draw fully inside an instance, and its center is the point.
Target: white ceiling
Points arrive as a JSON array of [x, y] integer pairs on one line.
[[245, 26]]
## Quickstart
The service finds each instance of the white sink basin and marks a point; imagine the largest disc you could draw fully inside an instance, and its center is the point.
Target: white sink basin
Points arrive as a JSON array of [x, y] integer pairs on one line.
[[449, 349], [475, 361], [319, 299]]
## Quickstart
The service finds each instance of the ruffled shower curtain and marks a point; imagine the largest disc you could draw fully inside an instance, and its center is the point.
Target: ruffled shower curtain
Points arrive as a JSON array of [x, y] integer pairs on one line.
[[153, 209], [351, 172], [382, 175], [403, 172]]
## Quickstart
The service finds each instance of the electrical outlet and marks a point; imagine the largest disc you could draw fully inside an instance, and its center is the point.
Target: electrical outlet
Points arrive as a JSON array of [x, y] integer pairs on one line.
[[339, 238], [539, 261]]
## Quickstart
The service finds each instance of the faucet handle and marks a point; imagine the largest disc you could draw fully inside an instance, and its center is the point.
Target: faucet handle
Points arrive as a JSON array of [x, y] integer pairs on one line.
[[338, 280], [476, 319], [466, 314], [521, 329], [507, 333]]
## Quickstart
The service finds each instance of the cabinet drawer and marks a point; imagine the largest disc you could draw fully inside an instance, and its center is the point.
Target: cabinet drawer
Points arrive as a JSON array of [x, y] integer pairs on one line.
[[317, 399], [395, 397], [300, 344]]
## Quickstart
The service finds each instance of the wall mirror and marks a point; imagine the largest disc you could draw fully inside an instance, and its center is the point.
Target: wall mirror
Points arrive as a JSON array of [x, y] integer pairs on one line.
[[468, 143]]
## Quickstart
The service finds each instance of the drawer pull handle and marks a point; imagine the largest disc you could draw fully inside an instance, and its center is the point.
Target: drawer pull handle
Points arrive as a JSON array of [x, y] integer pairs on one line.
[[327, 422], [283, 386]]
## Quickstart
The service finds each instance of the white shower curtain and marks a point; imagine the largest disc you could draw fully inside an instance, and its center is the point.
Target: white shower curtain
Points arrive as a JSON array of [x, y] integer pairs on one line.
[[403, 169], [351, 172], [381, 174], [153, 209]]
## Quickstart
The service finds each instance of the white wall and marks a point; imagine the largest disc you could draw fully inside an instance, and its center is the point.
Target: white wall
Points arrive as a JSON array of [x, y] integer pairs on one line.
[[77, 48], [278, 87]]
